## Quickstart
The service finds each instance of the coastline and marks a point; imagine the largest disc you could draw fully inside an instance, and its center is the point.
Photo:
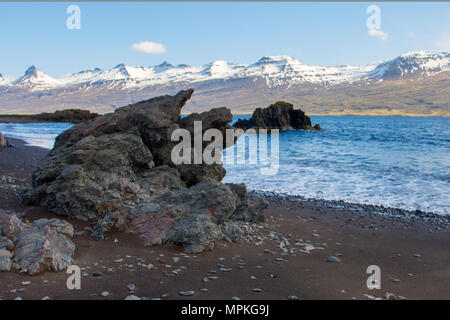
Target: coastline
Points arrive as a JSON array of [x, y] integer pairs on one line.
[[274, 259]]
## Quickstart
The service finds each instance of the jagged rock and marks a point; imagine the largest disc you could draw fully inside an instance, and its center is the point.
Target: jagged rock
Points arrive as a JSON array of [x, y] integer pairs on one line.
[[240, 190], [186, 216], [38, 246], [3, 142], [280, 115], [117, 170], [251, 209]]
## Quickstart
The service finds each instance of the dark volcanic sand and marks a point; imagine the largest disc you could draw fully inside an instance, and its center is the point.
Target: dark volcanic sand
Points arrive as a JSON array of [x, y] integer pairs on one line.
[[415, 252]]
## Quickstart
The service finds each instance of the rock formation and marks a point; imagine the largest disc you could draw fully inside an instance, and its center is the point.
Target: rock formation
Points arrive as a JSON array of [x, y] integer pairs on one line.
[[67, 115], [280, 115], [117, 170], [35, 247]]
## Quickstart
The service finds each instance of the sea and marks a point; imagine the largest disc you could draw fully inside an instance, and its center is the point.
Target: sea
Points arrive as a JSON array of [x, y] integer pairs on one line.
[[397, 162]]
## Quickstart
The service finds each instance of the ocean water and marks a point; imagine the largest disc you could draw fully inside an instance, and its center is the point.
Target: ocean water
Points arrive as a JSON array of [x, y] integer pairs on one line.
[[399, 162], [35, 134]]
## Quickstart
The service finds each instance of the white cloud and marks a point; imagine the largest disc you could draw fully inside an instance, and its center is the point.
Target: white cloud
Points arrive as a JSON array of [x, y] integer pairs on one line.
[[148, 47], [380, 34]]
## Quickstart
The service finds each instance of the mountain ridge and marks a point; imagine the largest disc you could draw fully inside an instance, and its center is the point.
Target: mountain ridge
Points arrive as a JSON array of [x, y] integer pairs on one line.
[[243, 87]]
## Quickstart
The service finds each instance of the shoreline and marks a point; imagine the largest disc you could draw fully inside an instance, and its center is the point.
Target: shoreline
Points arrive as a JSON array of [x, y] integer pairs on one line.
[[336, 204], [429, 217], [284, 256]]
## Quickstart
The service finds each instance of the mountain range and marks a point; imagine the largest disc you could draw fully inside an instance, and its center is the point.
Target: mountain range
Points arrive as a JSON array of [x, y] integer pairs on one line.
[[415, 83]]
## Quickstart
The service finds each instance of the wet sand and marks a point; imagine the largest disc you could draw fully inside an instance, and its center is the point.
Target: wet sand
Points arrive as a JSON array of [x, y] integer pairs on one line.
[[411, 250]]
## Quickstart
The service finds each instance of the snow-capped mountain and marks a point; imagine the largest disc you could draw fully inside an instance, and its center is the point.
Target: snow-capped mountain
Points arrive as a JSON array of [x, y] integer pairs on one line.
[[238, 86], [274, 70], [36, 79], [412, 64]]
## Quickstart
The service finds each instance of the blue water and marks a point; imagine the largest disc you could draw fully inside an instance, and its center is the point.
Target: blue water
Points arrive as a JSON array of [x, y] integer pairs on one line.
[[35, 134], [400, 162]]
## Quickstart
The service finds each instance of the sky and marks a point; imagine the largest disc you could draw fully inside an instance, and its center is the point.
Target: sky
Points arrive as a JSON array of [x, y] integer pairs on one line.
[[146, 34]]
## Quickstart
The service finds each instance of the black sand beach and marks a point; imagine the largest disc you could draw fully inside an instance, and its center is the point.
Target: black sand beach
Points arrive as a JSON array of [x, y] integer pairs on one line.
[[412, 253]]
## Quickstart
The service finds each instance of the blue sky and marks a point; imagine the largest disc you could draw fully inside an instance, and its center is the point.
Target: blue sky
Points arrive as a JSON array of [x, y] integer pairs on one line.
[[198, 33]]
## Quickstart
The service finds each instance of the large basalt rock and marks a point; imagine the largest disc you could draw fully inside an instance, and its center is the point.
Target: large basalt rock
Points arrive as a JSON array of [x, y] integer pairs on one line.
[[117, 170], [35, 247], [280, 115]]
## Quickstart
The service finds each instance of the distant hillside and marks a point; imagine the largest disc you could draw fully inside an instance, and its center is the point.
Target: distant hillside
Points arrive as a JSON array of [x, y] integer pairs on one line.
[[412, 84]]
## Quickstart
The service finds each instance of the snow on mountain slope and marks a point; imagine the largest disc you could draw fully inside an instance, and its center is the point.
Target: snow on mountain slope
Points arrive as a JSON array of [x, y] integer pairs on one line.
[[412, 64], [274, 70], [36, 79]]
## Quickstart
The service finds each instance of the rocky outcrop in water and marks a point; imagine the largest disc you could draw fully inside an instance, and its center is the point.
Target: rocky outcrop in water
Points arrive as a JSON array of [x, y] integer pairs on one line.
[[35, 247], [280, 115], [67, 115], [117, 170]]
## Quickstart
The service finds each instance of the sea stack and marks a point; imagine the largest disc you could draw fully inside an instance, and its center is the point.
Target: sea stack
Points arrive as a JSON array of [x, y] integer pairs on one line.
[[280, 115]]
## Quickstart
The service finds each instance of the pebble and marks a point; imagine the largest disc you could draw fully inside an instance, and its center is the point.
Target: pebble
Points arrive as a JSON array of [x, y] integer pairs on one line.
[[132, 297], [46, 298], [131, 287], [333, 259], [203, 290], [26, 283], [235, 298], [292, 298], [256, 290], [186, 293], [18, 298], [394, 280], [104, 294]]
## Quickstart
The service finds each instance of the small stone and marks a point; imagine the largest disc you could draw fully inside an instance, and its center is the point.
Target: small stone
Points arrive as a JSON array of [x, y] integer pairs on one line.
[[97, 274], [292, 298], [186, 293], [203, 290], [132, 297], [235, 298], [256, 290], [46, 298], [26, 283], [131, 287], [18, 298], [394, 280], [104, 294], [333, 259]]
